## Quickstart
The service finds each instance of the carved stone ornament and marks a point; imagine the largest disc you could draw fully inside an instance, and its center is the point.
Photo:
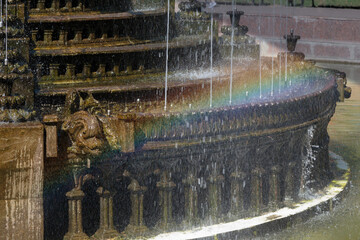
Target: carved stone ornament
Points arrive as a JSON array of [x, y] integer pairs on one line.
[[86, 134]]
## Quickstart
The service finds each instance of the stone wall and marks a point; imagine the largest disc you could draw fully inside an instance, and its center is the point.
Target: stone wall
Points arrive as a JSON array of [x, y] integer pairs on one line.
[[326, 34]]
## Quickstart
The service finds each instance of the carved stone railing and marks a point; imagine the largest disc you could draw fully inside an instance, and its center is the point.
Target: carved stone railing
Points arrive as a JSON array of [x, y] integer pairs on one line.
[[120, 66], [48, 6], [68, 6], [100, 32]]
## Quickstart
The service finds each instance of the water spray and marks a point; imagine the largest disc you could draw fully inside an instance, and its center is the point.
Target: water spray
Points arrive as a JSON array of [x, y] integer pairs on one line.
[[6, 33]]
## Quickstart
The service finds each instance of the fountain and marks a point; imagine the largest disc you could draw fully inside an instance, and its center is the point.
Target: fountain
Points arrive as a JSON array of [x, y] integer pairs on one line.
[[129, 149]]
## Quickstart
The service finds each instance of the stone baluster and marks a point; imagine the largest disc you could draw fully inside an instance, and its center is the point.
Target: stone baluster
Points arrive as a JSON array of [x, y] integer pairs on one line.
[[41, 5], [257, 190], [91, 34], [214, 196], [78, 36], [39, 68], [116, 69], [106, 229], [68, 5], [290, 185], [63, 37], [55, 5], [136, 225], [54, 70], [191, 199], [75, 230], [70, 70], [165, 186], [48, 36], [237, 193], [101, 70], [116, 32], [275, 197], [80, 6], [104, 34], [87, 70], [34, 35]]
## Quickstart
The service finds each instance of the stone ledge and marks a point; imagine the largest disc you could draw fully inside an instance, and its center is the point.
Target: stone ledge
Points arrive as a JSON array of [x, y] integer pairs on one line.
[[281, 218]]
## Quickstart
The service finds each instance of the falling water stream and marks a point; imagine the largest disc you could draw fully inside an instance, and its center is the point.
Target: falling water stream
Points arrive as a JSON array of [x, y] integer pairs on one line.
[[343, 222], [1, 14], [272, 51], [286, 30], [6, 33], [167, 52], [211, 5], [280, 57], [260, 84], [232, 50]]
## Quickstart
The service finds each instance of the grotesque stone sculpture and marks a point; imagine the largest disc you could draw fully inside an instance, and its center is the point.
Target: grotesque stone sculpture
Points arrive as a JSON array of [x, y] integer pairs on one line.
[[85, 133]]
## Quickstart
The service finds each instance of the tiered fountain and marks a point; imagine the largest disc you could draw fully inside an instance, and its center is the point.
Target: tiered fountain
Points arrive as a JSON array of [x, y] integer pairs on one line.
[[141, 137]]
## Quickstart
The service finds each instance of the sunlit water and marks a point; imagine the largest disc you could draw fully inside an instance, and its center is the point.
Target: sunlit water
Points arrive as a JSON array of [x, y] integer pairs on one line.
[[344, 129]]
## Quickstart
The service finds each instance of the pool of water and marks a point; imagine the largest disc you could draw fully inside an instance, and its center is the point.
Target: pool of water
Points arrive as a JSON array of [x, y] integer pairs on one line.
[[344, 130]]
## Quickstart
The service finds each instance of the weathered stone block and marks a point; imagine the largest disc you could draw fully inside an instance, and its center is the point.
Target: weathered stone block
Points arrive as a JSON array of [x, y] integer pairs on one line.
[[21, 181]]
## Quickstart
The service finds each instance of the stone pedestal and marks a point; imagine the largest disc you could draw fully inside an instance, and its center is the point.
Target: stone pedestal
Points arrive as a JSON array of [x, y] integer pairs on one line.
[[290, 184], [214, 197], [237, 193], [75, 230], [274, 191], [191, 200], [165, 186], [257, 204], [136, 225], [106, 229]]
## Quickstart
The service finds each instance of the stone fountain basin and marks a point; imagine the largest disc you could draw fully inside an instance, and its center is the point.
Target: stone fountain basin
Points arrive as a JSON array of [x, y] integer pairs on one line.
[[160, 129]]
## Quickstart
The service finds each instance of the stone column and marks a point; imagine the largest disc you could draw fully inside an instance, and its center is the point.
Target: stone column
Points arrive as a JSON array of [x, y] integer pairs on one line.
[[41, 5], [136, 225], [48, 36], [91, 34], [78, 36], [237, 193], [274, 192], [54, 70], [257, 190], [214, 196], [116, 69], [51, 136], [87, 70], [165, 186], [101, 70], [39, 68], [34, 35], [290, 184], [106, 229], [70, 70], [191, 199], [55, 5], [68, 5], [63, 36], [75, 231]]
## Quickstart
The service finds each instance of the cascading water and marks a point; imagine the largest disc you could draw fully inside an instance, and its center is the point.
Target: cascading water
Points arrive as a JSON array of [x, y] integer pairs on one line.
[[211, 6], [272, 51], [167, 53], [260, 83], [232, 49], [308, 160]]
